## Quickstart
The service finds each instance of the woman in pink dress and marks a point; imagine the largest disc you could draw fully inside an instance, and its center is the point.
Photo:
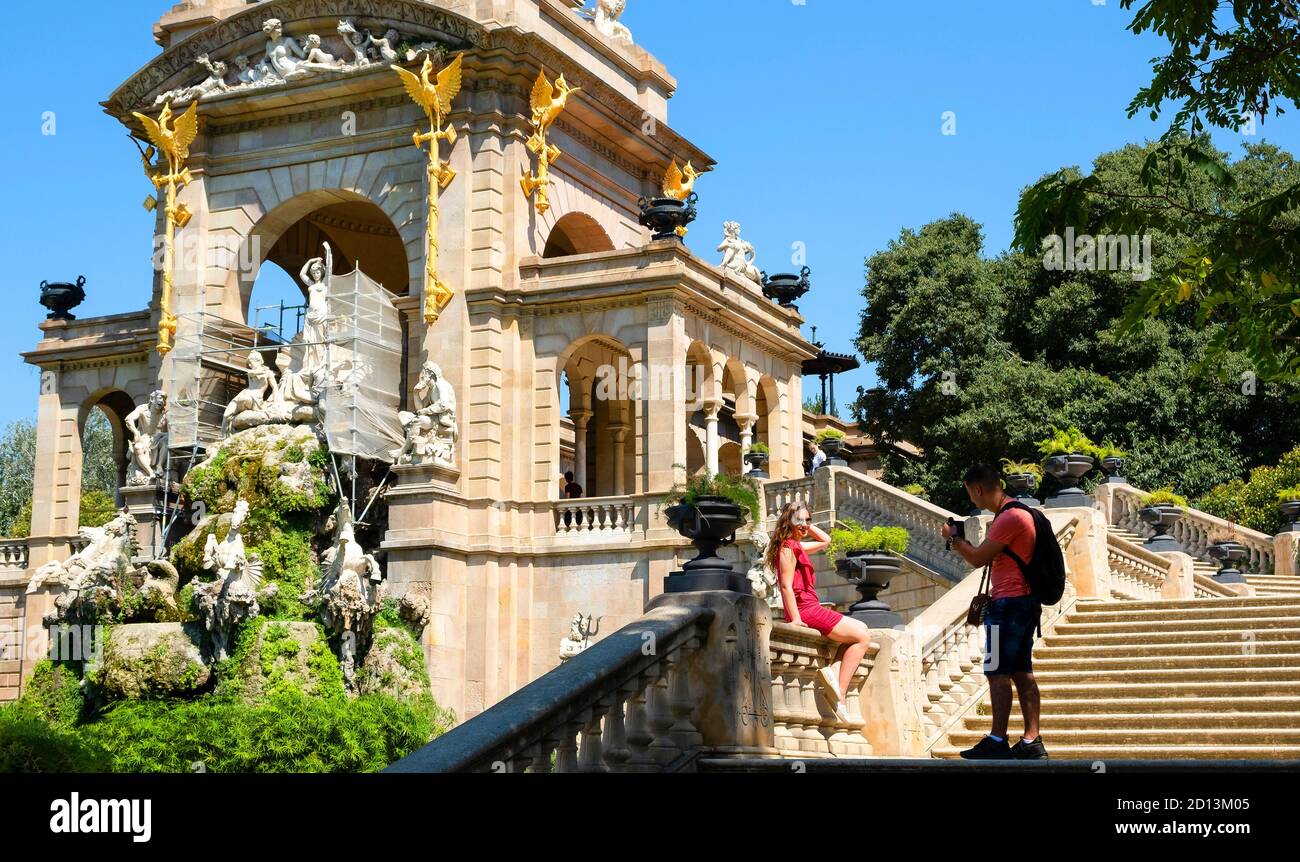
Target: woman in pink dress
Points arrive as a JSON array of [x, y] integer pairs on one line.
[[793, 540]]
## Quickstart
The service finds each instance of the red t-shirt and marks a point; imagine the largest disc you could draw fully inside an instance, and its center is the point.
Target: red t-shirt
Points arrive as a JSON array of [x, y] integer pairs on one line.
[[1015, 529]]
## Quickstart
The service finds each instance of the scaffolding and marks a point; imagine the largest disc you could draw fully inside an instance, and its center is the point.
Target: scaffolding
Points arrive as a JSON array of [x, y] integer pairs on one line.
[[358, 396]]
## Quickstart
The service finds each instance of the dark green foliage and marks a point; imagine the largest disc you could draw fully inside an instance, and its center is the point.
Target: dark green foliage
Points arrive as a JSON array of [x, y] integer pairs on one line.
[[53, 693], [740, 490], [1025, 348], [1254, 502]]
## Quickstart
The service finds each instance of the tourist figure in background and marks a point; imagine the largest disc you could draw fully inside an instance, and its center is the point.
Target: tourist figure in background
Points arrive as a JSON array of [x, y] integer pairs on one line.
[[793, 539], [1011, 617], [572, 491], [818, 457]]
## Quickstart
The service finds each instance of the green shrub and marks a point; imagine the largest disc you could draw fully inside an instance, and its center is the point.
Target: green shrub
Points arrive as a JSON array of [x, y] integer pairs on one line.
[[1068, 441], [1108, 450], [53, 694], [740, 490], [1288, 495], [1164, 497], [916, 491], [854, 537], [29, 743], [759, 449], [1014, 468], [828, 434]]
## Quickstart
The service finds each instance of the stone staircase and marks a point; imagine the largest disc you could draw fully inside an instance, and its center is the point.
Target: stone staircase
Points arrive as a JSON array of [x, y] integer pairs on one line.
[[1266, 586], [1205, 679]]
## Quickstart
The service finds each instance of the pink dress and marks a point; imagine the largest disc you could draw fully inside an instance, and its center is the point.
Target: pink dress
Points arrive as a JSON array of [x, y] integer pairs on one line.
[[805, 593]]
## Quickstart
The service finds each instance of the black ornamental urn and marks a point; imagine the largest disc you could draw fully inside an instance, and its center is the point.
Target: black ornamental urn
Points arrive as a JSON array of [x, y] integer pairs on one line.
[[1068, 470], [1228, 554], [1161, 517], [757, 462], [787, 287], [871, 572], [61, 297], [710, 523], [1113, 467], [1024, 486], [668, 217], [1291, 511]]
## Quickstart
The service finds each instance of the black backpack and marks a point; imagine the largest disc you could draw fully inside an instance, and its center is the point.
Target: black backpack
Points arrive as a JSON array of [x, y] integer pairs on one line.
[[1045, 571]]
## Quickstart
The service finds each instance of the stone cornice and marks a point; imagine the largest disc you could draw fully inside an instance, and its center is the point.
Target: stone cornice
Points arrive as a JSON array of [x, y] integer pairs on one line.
[[176, 65]]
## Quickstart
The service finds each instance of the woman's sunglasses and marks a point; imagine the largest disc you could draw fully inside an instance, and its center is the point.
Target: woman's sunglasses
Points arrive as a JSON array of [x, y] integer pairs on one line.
[[799, 521]]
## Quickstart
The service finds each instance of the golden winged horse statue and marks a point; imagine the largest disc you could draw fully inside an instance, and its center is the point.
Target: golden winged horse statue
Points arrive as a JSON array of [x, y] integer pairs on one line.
[[172, 138], [435, 97], [547, 103]]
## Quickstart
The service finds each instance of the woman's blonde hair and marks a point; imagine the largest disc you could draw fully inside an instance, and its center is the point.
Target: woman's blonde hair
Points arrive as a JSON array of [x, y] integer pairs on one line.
[[782, 533]]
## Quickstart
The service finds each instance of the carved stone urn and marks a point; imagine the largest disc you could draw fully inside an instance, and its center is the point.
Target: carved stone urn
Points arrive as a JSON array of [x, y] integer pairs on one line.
[[835, 449], [710, 523], [668, 217], [1023, 486], [787, 287], [61, 297], [871, 572], [757, 462], [1068, 470], [1161, 517], [1291, 511], [1228, 554], [1112, 467]]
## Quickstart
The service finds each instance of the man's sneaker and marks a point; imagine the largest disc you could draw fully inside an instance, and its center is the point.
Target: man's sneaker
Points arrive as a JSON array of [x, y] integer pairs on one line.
[[832, 684], [1029, 750], [987, 749]]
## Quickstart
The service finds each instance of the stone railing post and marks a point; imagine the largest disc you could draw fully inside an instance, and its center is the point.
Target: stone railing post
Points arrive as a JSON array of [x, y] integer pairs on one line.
[[1284, 554], [729, 678], [1086, 558], [822, 506], [1181, 582], [893, 696]]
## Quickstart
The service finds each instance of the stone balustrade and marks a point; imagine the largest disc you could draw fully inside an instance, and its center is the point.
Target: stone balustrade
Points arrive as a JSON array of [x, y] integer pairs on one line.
[[804, 722], [688, 677], [1196, 531], [13, 556], [836, 493], [1135, 572], [606, 516]]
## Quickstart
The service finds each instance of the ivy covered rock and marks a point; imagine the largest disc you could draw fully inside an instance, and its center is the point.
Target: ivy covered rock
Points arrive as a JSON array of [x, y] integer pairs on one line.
[[152, 660], [394, 665], [273, 656], [279, 470]]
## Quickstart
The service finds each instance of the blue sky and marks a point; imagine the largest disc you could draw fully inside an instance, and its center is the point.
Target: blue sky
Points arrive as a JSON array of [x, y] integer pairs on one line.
[[825, 117]]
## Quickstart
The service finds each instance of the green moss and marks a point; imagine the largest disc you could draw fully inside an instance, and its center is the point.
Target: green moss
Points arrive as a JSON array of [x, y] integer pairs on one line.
[[294, 455], [53, 694]]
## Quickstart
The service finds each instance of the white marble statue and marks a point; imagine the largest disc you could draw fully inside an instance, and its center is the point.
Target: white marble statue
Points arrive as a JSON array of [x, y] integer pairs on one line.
[[108, 549], [296, 398], [431, 431], [605, 17], [738, 255], [315, 276], [761, 578], [581, 631], [146, 428], [350, 592], [232, 597], [286, 59], [249, 407]]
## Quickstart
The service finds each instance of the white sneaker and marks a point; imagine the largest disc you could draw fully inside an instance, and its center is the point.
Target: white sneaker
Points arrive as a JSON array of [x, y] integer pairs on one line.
[[831, 680]]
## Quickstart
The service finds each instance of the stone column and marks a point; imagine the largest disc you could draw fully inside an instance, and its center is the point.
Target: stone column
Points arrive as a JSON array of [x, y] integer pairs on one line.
[[619, 435], [711, 410], [580, 419], [1284, 554], [142, 502], [746, 421]]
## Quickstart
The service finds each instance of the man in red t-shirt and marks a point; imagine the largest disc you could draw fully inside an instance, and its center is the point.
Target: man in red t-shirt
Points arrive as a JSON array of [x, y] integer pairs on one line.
[[1011, 618]]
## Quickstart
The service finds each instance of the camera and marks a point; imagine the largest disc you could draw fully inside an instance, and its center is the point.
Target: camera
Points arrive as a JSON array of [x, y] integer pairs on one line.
[[958, 529]]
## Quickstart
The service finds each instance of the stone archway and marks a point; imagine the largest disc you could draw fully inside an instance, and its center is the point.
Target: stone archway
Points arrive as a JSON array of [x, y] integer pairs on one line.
[[576, 233]]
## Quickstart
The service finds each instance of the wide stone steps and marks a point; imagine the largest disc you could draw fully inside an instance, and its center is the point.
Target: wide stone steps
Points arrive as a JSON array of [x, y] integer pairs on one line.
[[1157, 637], [1212, 679], [1141, 662], [1274, 585], [1122, 752]]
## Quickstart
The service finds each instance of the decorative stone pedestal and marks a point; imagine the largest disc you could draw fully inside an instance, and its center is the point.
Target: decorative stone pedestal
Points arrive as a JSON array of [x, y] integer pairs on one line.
[[144, 502]]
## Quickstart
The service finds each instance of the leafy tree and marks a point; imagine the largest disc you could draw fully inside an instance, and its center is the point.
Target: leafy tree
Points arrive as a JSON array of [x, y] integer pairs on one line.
[[1239, 250], [18, 462], [979, 357]]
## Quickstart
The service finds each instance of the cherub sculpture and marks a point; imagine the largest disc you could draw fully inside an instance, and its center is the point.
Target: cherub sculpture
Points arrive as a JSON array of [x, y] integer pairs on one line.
[[349, 593], [147, 427], [605, 17], [253, 398], [431, 431], [356, 42], [738, 254], [283, 53], [231, 598], [211, 85]]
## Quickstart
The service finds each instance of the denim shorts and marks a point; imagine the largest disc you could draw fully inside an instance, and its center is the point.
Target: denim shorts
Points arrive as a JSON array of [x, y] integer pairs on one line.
[[1009, 629]]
